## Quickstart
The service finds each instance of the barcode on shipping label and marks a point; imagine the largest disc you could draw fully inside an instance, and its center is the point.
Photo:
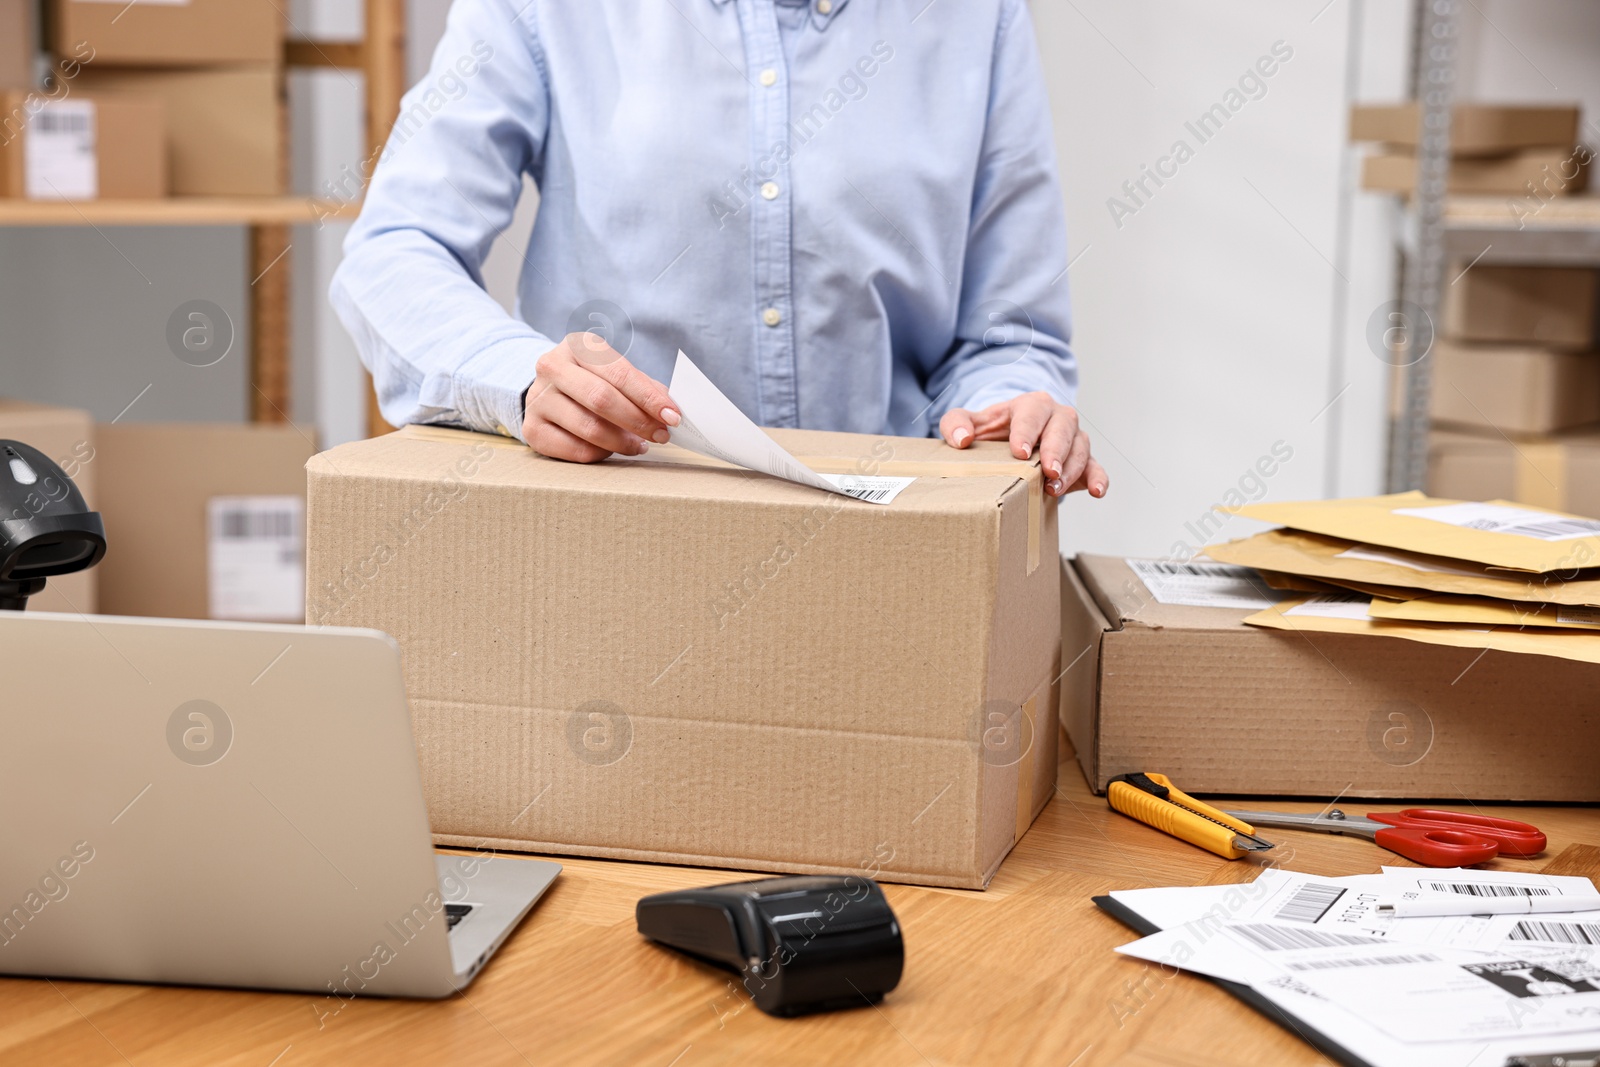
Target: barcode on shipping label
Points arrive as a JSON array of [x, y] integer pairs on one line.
[[1571, 616], [1489, 889], [1334, 606], [1287, 938], [1310, 902], [1560, 933], [256, 558], [1364, 961], [874, 489], [1203, 585], [1498, 518], [60, 161]]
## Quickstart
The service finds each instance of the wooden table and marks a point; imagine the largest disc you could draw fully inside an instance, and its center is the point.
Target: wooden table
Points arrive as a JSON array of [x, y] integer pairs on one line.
[[1020, 974]]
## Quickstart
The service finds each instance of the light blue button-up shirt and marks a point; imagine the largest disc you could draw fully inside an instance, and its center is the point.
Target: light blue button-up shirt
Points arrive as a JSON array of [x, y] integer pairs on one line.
[[847, 212]]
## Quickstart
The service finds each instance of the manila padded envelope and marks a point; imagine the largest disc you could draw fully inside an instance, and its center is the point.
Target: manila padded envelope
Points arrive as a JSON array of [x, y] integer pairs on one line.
[[1315, 556], [1582, 647], [1378, 520], [1477, 611]]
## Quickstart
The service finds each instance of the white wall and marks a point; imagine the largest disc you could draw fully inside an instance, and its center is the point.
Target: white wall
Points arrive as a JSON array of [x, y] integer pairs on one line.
[[1215, 322]]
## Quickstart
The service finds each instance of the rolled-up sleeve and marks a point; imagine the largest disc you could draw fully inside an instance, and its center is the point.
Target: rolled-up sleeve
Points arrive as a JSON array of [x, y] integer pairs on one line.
[[410, 288], [1014, 322]]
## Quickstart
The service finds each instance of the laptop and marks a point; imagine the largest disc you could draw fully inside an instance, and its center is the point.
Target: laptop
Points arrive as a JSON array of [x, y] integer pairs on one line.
[[229, 804]]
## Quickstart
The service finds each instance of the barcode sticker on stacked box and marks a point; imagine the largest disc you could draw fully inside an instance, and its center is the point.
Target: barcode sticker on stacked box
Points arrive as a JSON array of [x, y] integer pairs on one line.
[[60, 161], [256, 558]]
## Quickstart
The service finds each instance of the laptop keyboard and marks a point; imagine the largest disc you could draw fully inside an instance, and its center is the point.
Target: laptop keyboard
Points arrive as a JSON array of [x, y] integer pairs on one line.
[[454, 913]]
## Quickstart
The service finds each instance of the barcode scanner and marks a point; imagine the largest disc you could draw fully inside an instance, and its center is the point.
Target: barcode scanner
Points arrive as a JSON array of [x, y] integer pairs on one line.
[[803, 944], [46, 529]]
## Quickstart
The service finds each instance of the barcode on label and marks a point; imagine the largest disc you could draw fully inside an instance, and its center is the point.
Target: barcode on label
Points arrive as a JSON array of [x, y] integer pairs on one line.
[[1363, 961], [1310, 902], [257, 524], [1565, 933], [1503, 519], [1282, 938], [51, 120], [1203, 585], [876, 496], [1488, 889], [1578, 616], [1197, 570]]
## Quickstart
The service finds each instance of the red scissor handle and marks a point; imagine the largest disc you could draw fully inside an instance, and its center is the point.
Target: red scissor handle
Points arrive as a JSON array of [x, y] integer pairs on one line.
[[1442, 838]]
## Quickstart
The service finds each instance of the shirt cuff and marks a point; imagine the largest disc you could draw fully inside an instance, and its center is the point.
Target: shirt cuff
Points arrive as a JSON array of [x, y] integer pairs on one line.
[[492, 385]]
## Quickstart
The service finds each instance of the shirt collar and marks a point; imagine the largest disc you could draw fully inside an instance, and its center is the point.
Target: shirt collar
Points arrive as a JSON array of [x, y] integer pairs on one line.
[[818, 19]]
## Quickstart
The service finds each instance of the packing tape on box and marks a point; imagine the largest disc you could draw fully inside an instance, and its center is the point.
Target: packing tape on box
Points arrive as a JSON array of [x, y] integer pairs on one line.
[[1030, 711], [905, 468], [1540, 477]]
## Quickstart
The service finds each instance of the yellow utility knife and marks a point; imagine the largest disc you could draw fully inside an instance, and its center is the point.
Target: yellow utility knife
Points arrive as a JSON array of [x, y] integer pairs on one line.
[[1155, 801]]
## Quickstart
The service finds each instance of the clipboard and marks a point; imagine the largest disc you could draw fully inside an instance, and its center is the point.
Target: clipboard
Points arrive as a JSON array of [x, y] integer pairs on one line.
[[1293, 1023]]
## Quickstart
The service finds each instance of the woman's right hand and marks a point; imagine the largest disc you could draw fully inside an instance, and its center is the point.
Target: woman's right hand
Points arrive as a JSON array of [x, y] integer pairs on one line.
[[589, 402]]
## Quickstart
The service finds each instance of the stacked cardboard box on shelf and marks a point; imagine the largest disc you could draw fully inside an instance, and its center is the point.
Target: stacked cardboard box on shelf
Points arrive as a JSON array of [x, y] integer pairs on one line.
[[1494, 148], [215, 66], [1517, 377], [203, 521], [84, 147], [17, 40]]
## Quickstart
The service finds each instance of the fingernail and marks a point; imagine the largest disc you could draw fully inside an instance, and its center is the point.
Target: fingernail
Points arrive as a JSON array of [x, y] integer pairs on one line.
[[1099, 490], [661, 437], [960, 437], [670, 417], [1054, 485], [643, 448]]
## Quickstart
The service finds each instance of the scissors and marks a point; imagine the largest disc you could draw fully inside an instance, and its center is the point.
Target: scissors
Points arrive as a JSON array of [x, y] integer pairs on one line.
[[1431, 837]]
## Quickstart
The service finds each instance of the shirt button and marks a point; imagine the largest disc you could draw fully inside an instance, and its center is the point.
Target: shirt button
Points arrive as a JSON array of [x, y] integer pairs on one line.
[[769, 77], [824, 6], [772, 316], [770, 190]]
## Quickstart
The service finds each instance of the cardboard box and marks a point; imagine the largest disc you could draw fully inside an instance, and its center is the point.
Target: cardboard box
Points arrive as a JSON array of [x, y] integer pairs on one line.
[[1225, 708], [17, 44], [1554, 306], [66, 435], [1514, 390], [203, 520], [82, 147], [188, 32], [1561, 472], [671, 660], [1552, 171], [1475, 129], [225, 126]]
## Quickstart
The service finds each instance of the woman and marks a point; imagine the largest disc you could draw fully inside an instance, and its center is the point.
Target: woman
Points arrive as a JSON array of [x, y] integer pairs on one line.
[[846, 212]]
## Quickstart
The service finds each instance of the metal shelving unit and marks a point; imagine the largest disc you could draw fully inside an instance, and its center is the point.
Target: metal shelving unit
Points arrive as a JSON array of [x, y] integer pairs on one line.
[[380, 57], [1440, 230]]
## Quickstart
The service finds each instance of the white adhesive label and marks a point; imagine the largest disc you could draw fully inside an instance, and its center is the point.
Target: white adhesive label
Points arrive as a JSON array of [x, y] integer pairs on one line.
[[1204, 585], [1497, 518], [1334, 606], [59, 148], [256, 558]]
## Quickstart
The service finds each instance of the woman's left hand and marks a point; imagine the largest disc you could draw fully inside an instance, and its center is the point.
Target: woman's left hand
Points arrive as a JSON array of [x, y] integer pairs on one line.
[[1028, 421]]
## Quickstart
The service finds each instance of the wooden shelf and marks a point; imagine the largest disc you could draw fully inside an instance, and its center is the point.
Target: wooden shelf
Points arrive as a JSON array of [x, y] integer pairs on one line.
[[175, 211]]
